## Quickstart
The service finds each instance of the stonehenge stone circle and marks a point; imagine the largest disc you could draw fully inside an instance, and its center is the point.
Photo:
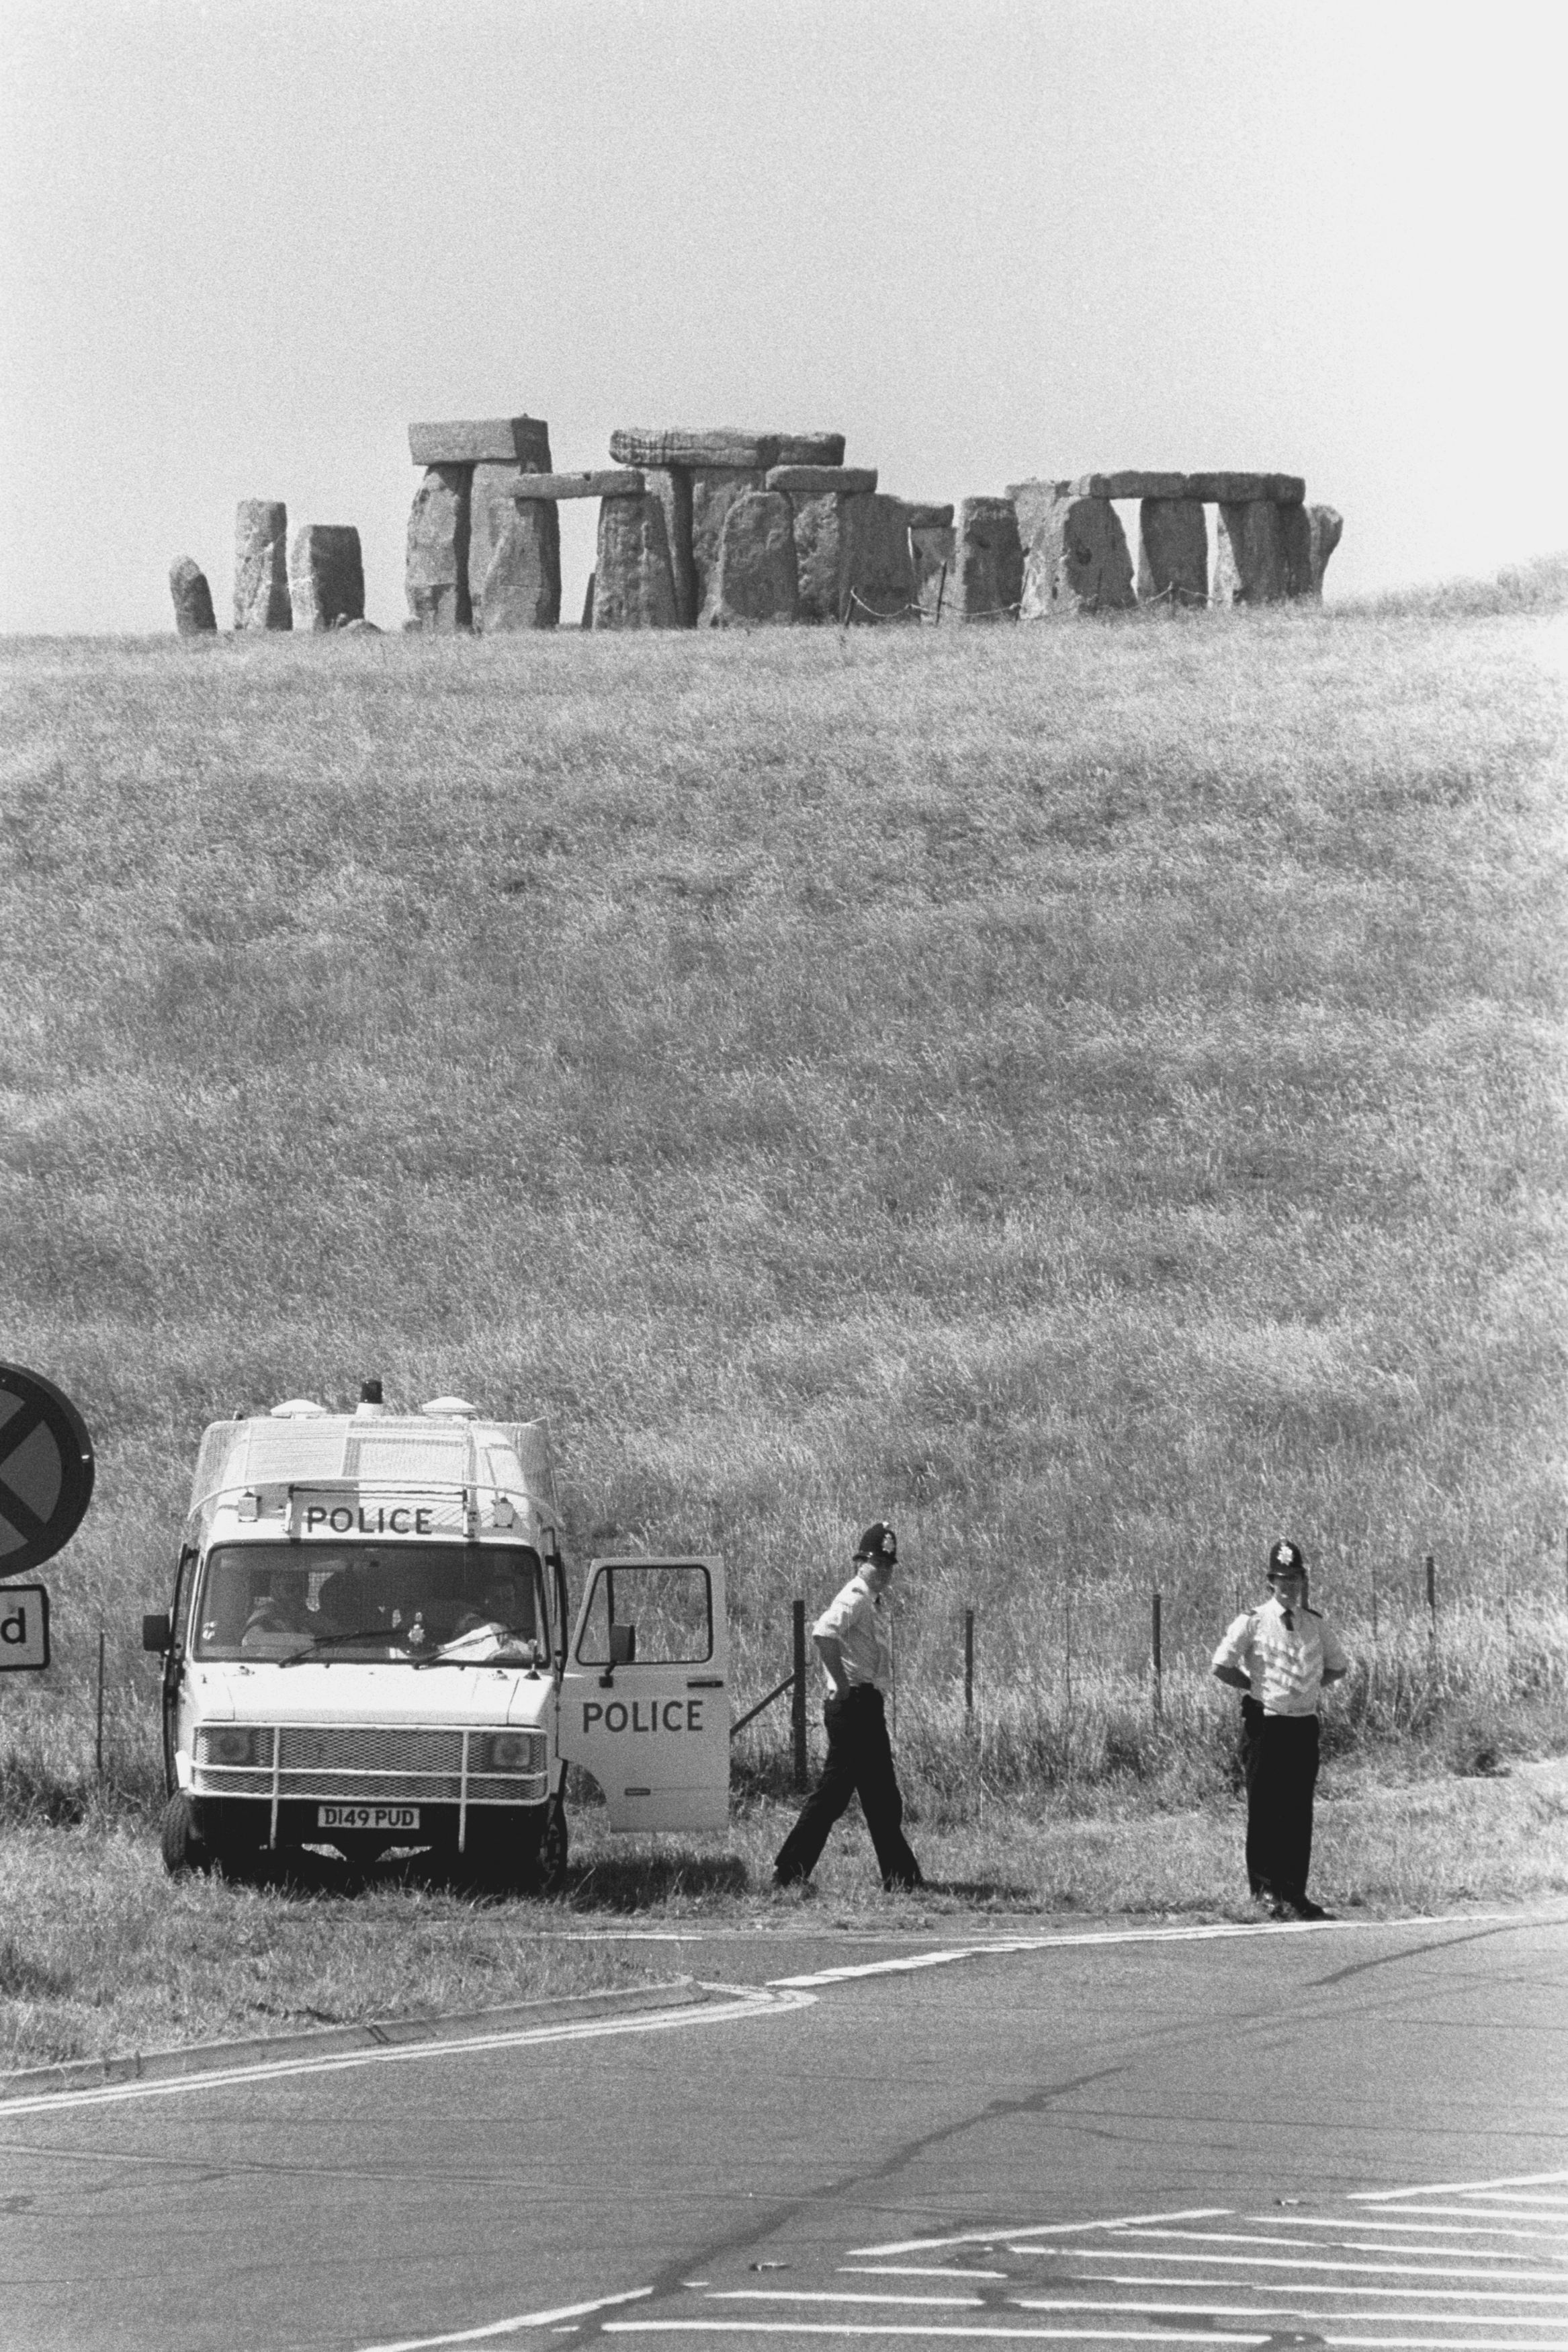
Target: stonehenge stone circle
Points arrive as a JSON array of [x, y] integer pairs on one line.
[[326, 575], [514, 553], [193, 614], [877, 570], [756, 576], [715, 490], [1077, 560], [633, 587], [261, 565], [817, 481], [475, 559], [932, 548], [1252, 554], [820, 548], [435, 573], [1173, 550], [987, 580]]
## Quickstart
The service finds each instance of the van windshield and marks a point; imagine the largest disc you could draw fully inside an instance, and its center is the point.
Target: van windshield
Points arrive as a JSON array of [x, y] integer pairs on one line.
[[403, 1602]]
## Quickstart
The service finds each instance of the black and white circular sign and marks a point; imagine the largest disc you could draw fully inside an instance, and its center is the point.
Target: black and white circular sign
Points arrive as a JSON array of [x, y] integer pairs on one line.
[[46, 1470]]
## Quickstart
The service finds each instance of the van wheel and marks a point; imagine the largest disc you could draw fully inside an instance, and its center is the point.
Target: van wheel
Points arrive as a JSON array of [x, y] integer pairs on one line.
[[182, 1849], [551, 1875]]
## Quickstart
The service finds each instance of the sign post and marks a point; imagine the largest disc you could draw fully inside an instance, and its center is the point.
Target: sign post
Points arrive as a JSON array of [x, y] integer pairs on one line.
[[46, 1485]]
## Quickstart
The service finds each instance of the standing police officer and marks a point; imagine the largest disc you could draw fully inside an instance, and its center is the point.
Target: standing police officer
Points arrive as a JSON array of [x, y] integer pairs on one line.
[[854, 1641], [1281, 1654]]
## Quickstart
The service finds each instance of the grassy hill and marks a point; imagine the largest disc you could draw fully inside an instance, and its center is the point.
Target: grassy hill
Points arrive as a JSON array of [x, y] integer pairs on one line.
[[1094, 1096]]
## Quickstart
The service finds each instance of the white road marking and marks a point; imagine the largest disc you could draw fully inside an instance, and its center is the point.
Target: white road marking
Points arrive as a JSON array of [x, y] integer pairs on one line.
[[1460, 2188], [510, 2327], [1330, 2286], [914, 2269], [1351, 2245], [1303, 2262], [1003, 1945], [1476, 2228], [1042, 2230], [834, 2294], [754, 2001], [1037, 2334], [1290, 2310]]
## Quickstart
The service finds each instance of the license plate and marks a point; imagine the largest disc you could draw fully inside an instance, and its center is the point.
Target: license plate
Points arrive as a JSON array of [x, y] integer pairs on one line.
[[367, 1817]]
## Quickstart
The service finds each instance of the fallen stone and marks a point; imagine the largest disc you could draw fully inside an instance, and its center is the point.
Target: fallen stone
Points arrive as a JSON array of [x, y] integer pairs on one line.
[[1173, 552], [811, 449], [931, 518], [633, 585], [932, 549], [1252, 560], [755, 581], [193, 614], [261, 565], [514, 552], [671, 486], [817, 481], [723, 445], [611, 482], [987, 578], [491, 440], [361, 628], [435, 573], [326, 575], [1077, 560], [876, 569], [713, 490]]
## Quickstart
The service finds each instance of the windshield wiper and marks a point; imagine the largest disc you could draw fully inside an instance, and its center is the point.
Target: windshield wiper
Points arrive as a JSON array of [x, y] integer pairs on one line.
[[330, 1641], [503, 1634]]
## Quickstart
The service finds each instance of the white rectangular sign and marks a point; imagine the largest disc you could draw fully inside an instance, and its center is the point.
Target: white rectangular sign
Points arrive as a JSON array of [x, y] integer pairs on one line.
[[23, 1628]]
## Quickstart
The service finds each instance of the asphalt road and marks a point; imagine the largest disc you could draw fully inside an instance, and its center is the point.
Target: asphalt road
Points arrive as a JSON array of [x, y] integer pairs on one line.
[[1162, 2138]]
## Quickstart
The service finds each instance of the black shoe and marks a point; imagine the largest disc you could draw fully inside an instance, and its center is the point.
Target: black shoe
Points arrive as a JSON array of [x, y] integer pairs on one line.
[[1305, 1909]]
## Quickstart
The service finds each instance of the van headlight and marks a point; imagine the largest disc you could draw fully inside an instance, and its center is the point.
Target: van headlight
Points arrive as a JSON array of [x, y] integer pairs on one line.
[[506, 1752], [234, 1744]]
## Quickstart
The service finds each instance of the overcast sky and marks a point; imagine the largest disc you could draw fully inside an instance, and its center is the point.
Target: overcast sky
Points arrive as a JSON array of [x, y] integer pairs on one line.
[[246, 241]]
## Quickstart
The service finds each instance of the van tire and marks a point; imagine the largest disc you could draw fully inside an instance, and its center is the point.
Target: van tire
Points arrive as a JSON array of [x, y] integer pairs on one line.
[[549, 1875], [183, 1848]]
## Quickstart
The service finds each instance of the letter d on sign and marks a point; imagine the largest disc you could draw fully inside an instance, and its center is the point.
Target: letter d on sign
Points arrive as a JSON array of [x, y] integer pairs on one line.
[[23, 1628]]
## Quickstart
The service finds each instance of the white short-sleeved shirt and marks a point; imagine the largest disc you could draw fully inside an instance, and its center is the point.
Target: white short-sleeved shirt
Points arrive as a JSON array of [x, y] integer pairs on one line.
[[861, 1626], [1285, 1663]]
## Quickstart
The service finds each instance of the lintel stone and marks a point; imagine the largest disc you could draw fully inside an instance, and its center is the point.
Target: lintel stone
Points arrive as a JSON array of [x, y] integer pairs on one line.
[[717, 446], [619, 482], [817, 481], [489, 440]]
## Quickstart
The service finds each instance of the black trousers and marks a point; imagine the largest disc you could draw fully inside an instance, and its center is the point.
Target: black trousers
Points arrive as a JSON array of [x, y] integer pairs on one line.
[[859, 1764], [1280, 1759]]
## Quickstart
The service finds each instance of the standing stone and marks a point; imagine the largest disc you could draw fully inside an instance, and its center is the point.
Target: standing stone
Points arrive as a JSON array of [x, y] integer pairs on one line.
[[436, 576], [1032, 501], [932, 547], [193, 614], [326, 575], [1252, 553], [633, 585], [1173, 552], [715, 490], [261, 565], [987, 579], [1312, 534], [756, 561], [1077, 561], [876, 570], [818, 557], [671, 486], [514, 553]]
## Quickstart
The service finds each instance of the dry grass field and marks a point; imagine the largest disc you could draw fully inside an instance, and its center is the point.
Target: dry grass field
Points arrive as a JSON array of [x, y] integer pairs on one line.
[[1094, 1096]]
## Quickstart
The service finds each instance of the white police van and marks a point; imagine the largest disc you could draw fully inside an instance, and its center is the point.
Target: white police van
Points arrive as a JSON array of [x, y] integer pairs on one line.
[[370, 1645]]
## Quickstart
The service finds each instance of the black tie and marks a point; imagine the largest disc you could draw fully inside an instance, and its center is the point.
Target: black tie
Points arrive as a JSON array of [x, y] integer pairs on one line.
[[1290, 1623]]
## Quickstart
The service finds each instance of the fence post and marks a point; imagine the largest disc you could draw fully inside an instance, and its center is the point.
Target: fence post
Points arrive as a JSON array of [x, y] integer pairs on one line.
[[798, 1696], [1159, 1688], [98, 1745], [1432, 1591], [968, 1666]]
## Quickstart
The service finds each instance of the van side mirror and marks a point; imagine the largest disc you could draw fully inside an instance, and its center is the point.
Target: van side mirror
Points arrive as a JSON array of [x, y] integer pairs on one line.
[[156, 1633]]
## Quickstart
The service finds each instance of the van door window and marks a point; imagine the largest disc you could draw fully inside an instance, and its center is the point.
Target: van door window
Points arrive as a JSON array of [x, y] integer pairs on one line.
[[669, 1608]]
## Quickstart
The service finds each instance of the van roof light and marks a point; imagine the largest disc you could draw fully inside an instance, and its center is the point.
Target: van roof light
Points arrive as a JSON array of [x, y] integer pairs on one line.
[[449, 1406], [297, 1409]]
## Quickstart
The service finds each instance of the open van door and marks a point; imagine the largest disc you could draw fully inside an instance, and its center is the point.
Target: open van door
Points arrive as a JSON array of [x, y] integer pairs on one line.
[[644, 1696]]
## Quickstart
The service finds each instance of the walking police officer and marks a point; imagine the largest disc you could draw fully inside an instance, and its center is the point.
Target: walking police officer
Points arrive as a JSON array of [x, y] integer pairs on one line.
[[1281, 1654], [854, 1641]]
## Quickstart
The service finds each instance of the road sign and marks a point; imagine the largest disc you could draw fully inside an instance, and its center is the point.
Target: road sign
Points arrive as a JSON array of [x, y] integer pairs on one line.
[[24, 1629], [46, 1470]]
